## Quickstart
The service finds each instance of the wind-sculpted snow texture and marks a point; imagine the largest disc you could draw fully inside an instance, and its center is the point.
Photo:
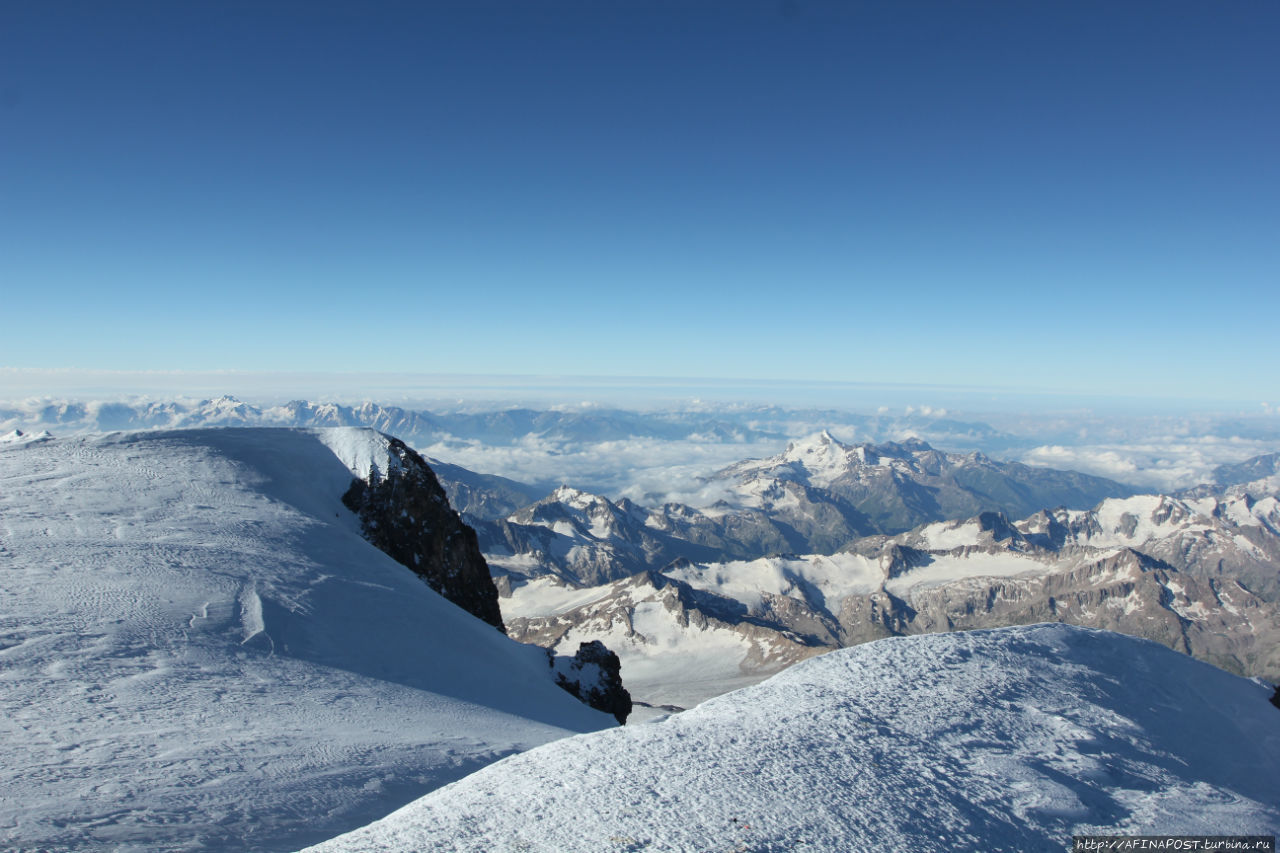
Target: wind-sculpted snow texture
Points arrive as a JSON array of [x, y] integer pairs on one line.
[[199, 650], [1002, 740]]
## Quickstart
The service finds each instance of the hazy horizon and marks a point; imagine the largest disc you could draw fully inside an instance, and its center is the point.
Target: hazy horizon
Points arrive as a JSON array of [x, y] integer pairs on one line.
[[408, 389], [1162, 447]]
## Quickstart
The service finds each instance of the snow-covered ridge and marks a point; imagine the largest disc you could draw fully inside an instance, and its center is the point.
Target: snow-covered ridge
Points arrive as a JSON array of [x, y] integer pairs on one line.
[[365, 452], [201, 651], [1012, 739], [677, 646]]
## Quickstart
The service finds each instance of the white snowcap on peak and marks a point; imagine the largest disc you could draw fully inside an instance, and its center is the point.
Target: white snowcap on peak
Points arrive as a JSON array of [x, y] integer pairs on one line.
[[574, 497], [815, 441], [821, 454]]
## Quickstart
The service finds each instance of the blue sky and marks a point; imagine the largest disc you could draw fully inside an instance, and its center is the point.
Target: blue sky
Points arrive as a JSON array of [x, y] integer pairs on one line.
[[1078, 196]]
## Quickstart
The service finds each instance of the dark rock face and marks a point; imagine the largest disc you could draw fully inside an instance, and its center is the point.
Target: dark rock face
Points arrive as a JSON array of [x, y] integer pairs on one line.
[[594, 675], [405, 513]]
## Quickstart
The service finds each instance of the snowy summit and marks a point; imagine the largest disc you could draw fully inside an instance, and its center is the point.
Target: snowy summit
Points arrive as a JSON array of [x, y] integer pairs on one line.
[[200, 651], [1001, 740]]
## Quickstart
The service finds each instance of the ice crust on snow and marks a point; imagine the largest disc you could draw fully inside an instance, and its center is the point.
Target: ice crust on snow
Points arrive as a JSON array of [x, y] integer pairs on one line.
[[1011, 739], [199, 651]]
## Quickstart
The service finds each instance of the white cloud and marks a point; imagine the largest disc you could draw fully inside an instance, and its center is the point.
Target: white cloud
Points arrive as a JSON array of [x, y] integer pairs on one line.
[[1165, 463], [652, 471], [647, 470]]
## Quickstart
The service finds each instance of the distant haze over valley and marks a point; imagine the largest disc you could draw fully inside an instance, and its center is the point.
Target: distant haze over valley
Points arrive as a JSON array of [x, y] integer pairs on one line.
[[658, 445]]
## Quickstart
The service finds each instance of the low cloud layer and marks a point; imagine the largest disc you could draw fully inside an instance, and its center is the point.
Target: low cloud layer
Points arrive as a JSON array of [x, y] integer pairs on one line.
[[663, 455], [648, 471], [1162, 464], [652, 471]]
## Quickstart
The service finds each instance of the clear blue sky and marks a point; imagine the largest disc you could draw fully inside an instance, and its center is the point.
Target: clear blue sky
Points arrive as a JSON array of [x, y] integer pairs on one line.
[[1075, 195]]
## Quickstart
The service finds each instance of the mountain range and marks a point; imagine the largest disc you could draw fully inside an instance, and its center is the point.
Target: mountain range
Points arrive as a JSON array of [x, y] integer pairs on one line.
[[1196, 572], [492, 426], [818, 496], [415, 426]]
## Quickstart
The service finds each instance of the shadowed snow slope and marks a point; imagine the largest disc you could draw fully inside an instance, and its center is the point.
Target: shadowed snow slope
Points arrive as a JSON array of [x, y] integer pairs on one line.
[[199, 651], [1009, 739]]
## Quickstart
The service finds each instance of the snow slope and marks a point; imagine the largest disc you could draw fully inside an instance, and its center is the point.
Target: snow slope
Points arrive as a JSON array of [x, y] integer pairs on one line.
[[198, 651], [1002, 740]]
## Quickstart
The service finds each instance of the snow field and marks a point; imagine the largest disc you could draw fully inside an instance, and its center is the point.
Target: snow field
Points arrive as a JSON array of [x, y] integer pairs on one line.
[[198, 650], [1002, 740]]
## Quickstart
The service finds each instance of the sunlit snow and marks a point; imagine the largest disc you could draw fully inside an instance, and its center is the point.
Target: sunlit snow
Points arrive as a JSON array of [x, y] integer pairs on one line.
[[1003, 740], [199, 651]]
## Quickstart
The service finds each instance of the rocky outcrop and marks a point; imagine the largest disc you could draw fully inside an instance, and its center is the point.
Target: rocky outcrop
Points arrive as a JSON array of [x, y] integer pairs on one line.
[[594, 675], [1128, 592], [405, 513]]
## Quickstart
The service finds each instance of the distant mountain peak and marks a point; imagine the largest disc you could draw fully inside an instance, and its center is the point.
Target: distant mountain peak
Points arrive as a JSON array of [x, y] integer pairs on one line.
[[816, 453], [574, 497]]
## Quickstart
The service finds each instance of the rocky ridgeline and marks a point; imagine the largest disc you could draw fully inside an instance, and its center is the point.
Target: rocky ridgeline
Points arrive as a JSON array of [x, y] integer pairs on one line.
[[405, 513]]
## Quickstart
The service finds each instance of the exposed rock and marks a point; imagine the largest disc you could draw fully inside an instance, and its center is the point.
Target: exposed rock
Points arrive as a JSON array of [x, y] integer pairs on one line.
[[813, 607], [582, 538], [594, 675], [405, 513], [1229, 537]]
